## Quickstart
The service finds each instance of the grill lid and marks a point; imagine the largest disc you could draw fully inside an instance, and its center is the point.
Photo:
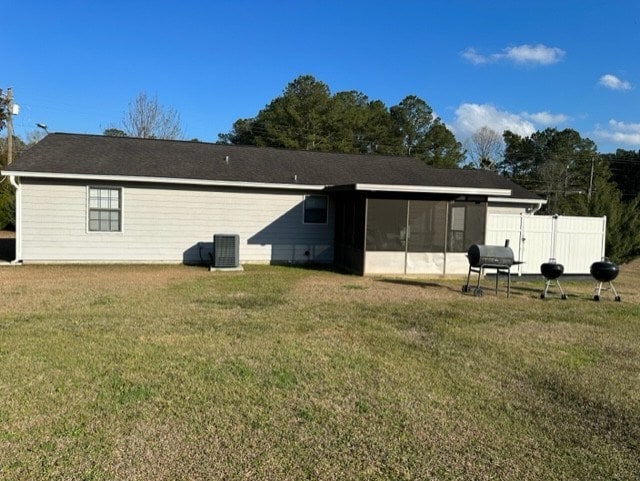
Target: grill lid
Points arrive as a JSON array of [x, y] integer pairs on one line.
[[482, 255], [604, 271], [551, 270]]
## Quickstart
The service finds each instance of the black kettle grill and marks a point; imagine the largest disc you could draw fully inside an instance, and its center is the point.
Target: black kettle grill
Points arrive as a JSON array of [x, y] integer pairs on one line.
[[604, 271], [552, 271]]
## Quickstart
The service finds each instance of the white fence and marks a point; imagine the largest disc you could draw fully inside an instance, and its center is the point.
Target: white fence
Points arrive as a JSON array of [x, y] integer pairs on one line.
[[575, 242]]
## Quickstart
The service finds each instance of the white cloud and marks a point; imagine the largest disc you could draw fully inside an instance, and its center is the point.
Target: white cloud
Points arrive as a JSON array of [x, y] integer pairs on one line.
[[474, 57], [614, 83], [546, 119], [469, 118], [521, 54], [534, 54], [620, 133]]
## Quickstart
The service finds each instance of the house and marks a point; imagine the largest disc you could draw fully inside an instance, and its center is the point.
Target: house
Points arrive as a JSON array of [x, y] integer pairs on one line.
[[88, 198]]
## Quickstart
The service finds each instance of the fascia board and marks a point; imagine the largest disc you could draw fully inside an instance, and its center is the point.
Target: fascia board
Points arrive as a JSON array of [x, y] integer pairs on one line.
[[517, 201], [433, 189], [163, 180], [502, 194]]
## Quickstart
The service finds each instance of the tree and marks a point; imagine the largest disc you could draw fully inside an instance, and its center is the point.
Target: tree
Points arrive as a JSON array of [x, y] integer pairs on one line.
[[440, 147], [147, 119], [380, 136], [7, 192], [4, 109], [485, 148], [623, 220], [625, 171], [241, 133], [114, 132], [423, 136], [413, 118], [307, 116], [348, 122], [556, 164]]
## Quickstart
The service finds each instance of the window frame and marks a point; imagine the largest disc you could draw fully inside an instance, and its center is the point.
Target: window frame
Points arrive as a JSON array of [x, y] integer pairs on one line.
[[119, 209], [305, 210]]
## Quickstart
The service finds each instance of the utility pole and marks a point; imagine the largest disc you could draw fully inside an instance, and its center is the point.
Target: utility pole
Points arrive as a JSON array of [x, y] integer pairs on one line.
[[9, 128]]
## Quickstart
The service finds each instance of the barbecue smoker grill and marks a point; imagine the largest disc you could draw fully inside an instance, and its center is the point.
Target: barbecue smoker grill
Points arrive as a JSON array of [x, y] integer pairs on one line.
[[483, 257]]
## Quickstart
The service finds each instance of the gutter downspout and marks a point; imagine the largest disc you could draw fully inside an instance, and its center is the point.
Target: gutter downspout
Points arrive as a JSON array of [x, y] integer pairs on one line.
[[536, 209], [15, 182]]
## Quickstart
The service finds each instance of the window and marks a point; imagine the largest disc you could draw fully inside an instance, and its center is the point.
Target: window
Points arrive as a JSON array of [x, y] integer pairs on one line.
[[466, 225], [315, 209], [105, 209]]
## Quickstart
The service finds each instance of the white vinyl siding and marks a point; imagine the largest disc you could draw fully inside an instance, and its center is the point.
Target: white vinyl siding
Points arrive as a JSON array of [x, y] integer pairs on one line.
[[165, 224]]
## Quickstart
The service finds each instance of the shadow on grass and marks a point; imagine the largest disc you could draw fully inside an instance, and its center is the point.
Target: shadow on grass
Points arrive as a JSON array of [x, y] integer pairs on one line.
[[417, 283]]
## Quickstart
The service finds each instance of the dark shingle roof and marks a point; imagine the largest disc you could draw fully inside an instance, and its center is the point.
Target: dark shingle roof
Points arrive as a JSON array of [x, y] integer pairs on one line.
[[124, 156]]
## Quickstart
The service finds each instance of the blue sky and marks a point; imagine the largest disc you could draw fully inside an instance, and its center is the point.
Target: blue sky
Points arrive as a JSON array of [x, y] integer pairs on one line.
[[518, 65]]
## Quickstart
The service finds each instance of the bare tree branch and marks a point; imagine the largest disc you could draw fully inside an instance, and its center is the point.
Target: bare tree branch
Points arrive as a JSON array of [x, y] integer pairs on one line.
[[485, 148], [147, 119]]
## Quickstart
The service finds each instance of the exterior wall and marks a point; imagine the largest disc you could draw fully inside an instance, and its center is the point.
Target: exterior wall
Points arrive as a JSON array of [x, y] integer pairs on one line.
[[417, 263], [384, 262], [508, 208], [166, 224]]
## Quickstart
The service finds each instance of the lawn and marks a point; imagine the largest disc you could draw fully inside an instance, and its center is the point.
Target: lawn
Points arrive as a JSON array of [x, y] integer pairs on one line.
[[174, 372]]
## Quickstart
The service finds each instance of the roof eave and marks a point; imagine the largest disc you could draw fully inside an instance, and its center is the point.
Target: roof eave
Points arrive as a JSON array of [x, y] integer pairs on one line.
[[496, 195], [518, 200], [163, 180], [432, 189]]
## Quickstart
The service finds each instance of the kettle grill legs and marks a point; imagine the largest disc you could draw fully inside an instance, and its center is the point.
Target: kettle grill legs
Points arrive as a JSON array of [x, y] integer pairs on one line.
[[547, 284], [598, 289]]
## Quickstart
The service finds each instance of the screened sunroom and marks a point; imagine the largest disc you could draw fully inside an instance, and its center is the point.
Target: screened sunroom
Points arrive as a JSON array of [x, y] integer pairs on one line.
[[393, 233]]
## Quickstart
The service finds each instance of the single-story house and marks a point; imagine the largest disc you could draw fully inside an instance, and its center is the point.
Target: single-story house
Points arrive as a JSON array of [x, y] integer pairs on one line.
[[90, 198]]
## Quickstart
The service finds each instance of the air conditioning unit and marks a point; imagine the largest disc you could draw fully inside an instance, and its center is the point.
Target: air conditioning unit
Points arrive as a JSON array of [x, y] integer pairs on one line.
[[226, 250]]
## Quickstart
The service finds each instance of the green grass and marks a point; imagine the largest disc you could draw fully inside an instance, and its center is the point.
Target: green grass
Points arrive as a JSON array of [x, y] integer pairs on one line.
[[173, 372]]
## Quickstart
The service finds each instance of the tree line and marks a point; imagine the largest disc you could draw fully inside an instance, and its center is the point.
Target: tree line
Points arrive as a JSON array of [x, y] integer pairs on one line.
[[559, 165], [307, 116]]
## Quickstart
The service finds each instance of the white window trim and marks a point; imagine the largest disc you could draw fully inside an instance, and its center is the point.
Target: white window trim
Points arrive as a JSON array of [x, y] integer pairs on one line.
[[88, 200]]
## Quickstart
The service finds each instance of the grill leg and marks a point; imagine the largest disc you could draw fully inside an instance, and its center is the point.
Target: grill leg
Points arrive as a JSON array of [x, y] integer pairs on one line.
[[546, 289], [564, 296], [615, 293], [547, 285], [596, 292], [465, 288]]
